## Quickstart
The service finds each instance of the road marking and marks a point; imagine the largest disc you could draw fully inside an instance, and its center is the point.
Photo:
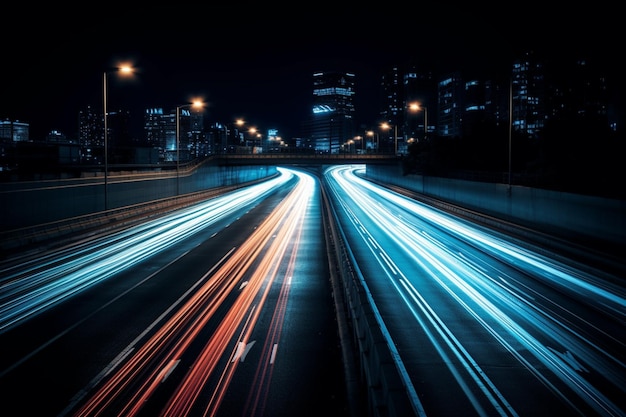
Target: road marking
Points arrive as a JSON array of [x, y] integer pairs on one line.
[[169, 369], [242, 350], [570, 360]]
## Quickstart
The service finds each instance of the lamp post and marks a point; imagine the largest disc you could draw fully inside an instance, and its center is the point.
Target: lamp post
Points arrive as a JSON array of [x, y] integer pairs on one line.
[[387, 126], [510, 129], [196, 104], [360, 140], [252, 131], [253, 134], [124, 69], [417, 107], [374, 136], [106, 141], [395, 140], [425, 122]]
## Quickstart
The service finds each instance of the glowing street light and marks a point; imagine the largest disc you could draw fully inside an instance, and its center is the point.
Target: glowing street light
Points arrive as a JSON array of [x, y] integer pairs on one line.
[[361, 139], [198, 104], [124, 69], [387, 126], [374, 136], [255, 135], [415, 107], [252, 132], [241, 123]]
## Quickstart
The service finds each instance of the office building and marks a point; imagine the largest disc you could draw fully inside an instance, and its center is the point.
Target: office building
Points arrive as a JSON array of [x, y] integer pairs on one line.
[[450, 112], [161, 133], [332, 121], [408, 107], [14, 131], [528, 95]]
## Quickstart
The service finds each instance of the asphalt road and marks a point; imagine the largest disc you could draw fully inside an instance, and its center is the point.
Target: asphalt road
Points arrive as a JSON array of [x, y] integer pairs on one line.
[[64, 352]]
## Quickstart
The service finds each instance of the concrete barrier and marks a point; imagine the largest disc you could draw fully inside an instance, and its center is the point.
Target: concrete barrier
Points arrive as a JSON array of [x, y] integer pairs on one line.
[[388, 389], [578, 217]]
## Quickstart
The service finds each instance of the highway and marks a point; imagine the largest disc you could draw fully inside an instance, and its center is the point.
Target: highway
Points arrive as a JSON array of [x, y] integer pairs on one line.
[[226, 308], [483, 324], [220, 309]]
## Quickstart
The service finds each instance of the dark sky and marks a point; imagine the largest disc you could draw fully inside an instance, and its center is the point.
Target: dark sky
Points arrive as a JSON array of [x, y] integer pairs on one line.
[[256, 61]]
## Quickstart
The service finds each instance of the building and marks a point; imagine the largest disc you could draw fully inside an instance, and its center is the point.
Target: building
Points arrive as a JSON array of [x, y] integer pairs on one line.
[[175, 136], [14, 131], [91, 135], [392, 111], [450, 112], [332, 121], [419, 106], [120, 142], [408, 108], [528, 95]]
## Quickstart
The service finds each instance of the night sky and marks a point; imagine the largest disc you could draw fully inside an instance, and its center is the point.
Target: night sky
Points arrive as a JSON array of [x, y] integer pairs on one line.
[[256, 61]]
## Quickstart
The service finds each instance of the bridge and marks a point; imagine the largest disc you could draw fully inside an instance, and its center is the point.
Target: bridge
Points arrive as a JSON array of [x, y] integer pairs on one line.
[[305, 159]]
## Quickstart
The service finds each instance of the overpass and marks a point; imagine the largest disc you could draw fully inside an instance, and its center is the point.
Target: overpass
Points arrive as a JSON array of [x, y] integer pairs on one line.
[[309, 159]]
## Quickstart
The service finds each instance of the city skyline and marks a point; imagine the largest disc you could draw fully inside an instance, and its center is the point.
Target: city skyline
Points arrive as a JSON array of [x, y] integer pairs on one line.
[[259, 66]]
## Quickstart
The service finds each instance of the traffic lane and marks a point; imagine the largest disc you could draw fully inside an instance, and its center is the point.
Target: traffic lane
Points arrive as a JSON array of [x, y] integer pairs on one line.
[[194, 366], [468, 352], [55, 355], [304, 365], [284, 237], [32, 286], [428, 279], [430, 363], [565, 317]]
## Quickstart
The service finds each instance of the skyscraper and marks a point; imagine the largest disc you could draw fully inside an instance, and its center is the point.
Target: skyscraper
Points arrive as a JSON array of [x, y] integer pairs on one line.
[[332, 120], [528, 95]]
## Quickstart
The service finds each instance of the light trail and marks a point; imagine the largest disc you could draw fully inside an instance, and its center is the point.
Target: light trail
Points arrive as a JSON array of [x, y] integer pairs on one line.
[[492, 294], [31, 288], [259, 259]]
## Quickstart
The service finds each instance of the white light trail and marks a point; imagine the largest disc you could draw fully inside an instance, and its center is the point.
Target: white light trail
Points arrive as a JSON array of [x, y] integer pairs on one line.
[[27, 292], [422, 235]]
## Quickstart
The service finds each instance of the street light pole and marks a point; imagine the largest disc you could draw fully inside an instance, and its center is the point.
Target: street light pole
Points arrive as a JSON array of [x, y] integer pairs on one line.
[[395, 137], [425, 123], [414, 107], [125, 69], [106, 141], [386, 126], [510, 128], [177, 150]]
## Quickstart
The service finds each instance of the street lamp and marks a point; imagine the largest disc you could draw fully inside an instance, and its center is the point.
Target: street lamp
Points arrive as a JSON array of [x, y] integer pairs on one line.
[[374, 136], [386, 126], [196, 104], [252, 131], [510, 128], [361, 140], [416, 107], [124, 69], [253, 134]]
